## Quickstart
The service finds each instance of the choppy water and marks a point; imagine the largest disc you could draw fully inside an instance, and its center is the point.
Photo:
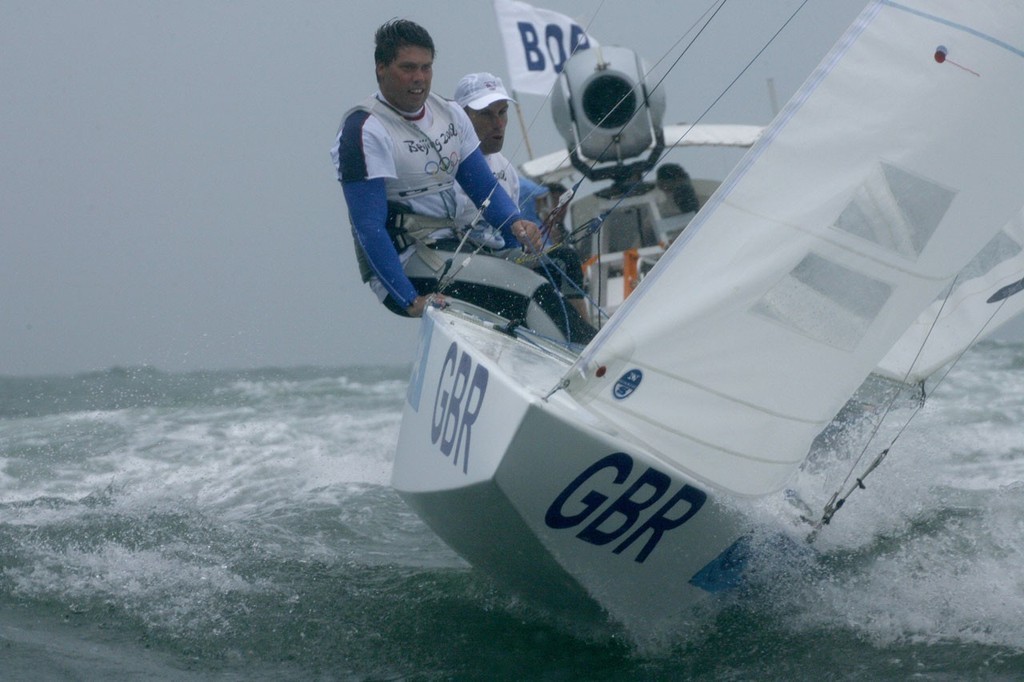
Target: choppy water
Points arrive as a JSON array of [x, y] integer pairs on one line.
[[239, 526]]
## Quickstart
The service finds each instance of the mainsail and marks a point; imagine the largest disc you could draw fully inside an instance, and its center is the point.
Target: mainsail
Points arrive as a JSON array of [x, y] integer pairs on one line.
[[899, 159]]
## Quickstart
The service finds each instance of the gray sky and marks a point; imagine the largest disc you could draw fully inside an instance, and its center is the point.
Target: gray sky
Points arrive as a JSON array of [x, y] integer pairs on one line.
[[166, 190]]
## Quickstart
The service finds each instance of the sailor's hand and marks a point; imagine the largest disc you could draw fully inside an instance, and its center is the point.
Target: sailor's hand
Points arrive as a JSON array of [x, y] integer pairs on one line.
[[422, 302], [528, 235]]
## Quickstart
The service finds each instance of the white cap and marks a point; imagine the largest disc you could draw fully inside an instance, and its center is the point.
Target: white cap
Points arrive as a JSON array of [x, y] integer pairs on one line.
[[478, 90]]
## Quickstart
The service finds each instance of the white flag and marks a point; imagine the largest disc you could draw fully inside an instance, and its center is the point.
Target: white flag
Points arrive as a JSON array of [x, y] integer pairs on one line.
[[537, 43]]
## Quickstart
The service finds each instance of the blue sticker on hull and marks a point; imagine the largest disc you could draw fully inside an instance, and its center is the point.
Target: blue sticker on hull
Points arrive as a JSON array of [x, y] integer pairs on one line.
[[627, 383], [724, 572]]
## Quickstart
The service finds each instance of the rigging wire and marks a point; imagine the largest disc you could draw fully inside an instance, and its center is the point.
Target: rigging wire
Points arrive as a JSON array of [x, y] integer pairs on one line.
[[713, 11], [576, 235], [593, 226], [838, 499], [704, 21], [742, 71], [547, 97]]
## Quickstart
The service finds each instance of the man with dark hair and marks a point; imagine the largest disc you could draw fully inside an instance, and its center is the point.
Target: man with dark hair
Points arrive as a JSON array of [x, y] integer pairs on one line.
[[399, 33], [398, 155]]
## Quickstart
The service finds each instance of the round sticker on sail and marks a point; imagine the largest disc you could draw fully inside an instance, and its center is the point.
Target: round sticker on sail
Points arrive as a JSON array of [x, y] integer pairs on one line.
[[626, 384]]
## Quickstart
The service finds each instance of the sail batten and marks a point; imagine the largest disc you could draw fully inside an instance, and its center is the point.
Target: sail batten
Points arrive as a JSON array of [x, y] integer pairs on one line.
[[883, 177]]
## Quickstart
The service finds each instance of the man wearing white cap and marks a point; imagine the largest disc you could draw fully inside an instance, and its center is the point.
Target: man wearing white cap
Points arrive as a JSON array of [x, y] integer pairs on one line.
[[486, 102]]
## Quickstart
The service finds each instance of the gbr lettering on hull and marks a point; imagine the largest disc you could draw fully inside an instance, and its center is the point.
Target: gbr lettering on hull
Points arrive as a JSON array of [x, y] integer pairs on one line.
[[458, 400], [639, 509]]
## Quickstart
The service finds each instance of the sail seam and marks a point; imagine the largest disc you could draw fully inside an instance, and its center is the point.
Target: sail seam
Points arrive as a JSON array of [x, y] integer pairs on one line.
[[674, 377], [714, 446]]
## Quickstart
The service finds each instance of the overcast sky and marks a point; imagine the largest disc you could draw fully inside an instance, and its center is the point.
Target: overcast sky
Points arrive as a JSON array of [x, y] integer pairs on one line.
[[166, 189]]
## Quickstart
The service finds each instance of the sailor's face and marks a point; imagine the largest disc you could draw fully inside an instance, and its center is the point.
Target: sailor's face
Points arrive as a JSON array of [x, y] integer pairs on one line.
[[405, 82], [489, 124]]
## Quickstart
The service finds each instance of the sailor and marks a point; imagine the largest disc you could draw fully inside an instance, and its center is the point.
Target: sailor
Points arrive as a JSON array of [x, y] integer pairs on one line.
[[486, 102], [674, 181], [398, 155], [680, 202]]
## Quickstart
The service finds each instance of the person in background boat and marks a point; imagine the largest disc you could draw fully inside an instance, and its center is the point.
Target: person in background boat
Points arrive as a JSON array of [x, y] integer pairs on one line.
[[673, 180], [486, 102], [530, 195], [551, 214], [682, 202], [398, 155]]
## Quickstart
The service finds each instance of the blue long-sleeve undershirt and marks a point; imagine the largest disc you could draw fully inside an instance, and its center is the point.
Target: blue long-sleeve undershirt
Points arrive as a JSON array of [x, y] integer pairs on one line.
[[368, 211]]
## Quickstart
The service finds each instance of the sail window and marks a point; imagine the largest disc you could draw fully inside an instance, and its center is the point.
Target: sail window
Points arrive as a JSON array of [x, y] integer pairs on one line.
[[1000, 248], [825, 301], [897, 210]]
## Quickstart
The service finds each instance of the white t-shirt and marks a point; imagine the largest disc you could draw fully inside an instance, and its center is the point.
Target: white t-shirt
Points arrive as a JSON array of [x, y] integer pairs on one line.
[[427, 150]]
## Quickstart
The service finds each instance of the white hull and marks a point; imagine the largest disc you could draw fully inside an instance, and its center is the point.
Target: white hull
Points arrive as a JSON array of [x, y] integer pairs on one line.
[[627, 490], [547, 498]]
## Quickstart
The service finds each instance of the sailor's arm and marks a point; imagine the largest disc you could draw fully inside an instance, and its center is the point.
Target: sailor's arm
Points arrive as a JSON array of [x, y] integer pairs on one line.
[[368, 212], [477, 179], [421, 303]]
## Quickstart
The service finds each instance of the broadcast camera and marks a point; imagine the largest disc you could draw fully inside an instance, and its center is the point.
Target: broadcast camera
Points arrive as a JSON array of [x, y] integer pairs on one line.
[[606, 115]]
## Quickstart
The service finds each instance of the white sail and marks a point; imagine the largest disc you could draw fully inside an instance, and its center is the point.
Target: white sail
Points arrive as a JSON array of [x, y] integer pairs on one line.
[[897, 161], [985, 296]]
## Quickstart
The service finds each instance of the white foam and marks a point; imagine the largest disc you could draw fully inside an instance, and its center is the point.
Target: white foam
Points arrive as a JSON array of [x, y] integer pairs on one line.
[[930, 551]]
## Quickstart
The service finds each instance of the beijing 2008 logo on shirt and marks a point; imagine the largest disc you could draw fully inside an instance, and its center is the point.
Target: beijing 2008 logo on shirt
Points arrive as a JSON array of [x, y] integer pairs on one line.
[[446, 165], [626, 384]]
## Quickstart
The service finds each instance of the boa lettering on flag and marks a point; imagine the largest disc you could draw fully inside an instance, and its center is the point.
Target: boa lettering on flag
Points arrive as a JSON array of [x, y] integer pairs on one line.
[[537, 43]]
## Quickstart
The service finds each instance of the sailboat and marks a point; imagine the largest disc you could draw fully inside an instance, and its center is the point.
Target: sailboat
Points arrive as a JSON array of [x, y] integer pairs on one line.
[[621, 480]]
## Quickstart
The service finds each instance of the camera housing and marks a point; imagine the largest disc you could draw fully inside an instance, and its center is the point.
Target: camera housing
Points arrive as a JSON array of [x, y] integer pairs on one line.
[[606, 115]]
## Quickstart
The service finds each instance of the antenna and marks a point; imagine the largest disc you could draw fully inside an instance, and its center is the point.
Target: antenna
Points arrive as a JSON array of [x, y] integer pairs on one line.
[[772, 97]]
